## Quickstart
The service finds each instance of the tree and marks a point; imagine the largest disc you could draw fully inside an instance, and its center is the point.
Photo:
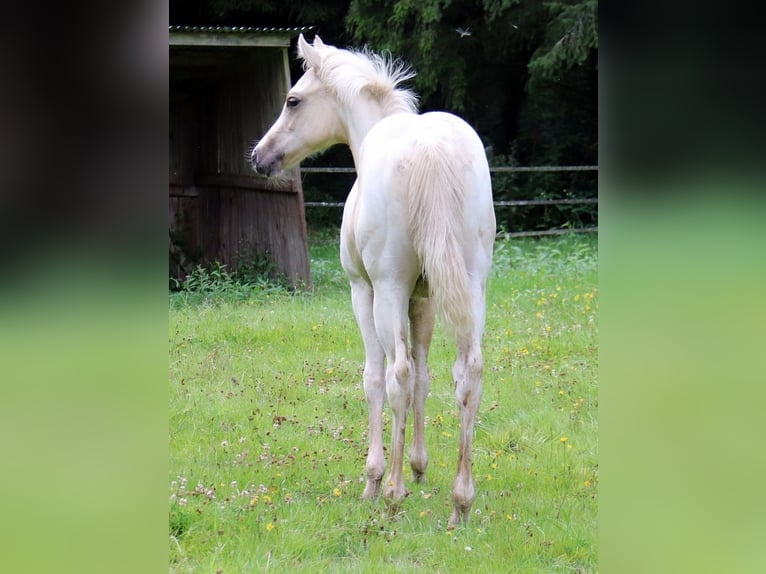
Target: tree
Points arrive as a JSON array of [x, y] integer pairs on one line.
[[522, 72], [570, 38]]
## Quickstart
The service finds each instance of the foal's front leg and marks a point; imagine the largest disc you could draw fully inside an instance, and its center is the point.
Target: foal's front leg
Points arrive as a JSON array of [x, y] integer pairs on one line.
[[374, 385]]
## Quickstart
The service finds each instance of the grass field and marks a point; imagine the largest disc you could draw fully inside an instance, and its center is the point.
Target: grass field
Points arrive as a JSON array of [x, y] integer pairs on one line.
[[267, 429]]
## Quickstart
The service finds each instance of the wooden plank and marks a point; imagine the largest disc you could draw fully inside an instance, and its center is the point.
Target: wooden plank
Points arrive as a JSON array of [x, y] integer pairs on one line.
[[286, 81], [183, 190], [245, 182], [301, 255], [244, 39]]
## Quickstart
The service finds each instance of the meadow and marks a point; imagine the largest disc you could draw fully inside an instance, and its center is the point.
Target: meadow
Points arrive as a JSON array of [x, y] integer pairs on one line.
[[268, 437]]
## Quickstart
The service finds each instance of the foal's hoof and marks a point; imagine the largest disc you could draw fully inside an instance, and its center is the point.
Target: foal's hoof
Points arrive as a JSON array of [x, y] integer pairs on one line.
[[459, 516], [395, 492], [372, 490]]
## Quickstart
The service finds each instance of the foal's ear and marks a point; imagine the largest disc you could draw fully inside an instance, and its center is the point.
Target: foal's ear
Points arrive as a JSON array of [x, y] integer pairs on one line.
[[309, 53]]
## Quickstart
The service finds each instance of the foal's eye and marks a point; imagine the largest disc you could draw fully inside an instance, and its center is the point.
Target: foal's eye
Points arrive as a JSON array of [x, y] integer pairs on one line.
[[292, 102]]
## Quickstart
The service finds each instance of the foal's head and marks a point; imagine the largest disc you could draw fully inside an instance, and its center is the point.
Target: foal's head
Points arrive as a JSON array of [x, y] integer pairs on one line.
[[336, 85]]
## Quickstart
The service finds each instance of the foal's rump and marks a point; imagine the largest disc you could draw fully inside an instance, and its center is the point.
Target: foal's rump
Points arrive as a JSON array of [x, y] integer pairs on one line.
[[431, 172]]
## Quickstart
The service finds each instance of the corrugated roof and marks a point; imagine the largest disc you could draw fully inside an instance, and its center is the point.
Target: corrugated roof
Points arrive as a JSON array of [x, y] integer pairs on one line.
[[233, 36], [239, 29]]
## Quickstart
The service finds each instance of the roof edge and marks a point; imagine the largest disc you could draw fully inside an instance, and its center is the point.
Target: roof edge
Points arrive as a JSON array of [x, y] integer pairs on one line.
[[234, 36], [240, 29]]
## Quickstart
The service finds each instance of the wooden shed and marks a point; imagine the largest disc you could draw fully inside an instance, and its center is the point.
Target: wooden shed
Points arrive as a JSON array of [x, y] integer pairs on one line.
[[227, 85]]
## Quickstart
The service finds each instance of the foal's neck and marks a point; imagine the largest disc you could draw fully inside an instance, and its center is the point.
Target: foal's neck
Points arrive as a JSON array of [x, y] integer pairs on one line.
[[359, 122]]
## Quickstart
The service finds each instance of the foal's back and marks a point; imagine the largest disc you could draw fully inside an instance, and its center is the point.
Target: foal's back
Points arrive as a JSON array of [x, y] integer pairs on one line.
[[391, 153]]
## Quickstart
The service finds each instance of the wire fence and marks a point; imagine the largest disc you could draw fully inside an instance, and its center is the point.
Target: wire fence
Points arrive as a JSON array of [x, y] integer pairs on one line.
[[506, 203], [492, 169]]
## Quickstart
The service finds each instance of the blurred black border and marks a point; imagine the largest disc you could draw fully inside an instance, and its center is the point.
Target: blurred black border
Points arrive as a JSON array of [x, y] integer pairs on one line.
[[83, 158]]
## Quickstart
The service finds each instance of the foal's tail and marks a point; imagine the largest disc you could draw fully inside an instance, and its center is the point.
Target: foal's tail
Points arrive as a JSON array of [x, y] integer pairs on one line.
[[435, 221]]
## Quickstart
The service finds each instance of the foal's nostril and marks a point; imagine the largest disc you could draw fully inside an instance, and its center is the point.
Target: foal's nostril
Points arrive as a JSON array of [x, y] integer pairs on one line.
[[254, 161]]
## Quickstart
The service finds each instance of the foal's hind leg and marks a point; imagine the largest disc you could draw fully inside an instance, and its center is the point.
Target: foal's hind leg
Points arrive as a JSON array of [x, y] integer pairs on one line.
[[467, 373], [468, 389], [374, 384], [390, 312], [422, 325]]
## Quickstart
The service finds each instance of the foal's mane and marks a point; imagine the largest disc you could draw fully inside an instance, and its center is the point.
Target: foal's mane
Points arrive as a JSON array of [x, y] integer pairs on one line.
[[349, 72]]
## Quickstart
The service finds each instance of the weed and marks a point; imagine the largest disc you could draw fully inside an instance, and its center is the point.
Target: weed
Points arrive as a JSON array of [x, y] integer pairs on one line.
[[214, 284]]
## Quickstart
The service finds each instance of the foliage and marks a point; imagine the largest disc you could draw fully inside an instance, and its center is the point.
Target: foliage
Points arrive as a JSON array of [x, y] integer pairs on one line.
[[545, 258], [522, 72], [213, 283], [479, 58], [415, 31], [326, 271], [571, 35], [267, 422]]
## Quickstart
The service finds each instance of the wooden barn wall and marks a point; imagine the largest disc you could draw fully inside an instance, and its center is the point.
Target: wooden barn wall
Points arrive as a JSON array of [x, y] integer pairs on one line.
[[184, 213], [219, 210], [185, 113], [233, 228], [241, 109]]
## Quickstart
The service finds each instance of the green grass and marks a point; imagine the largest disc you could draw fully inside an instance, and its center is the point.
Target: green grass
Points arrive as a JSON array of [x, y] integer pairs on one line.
[[268, 430]]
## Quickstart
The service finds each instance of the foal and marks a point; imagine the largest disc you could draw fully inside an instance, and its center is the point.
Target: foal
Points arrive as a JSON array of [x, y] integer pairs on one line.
[[416, 239]]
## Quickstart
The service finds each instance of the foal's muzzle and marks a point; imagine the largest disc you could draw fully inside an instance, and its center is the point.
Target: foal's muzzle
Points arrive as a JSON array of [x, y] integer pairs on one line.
[[264, 165], [254, 161]]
